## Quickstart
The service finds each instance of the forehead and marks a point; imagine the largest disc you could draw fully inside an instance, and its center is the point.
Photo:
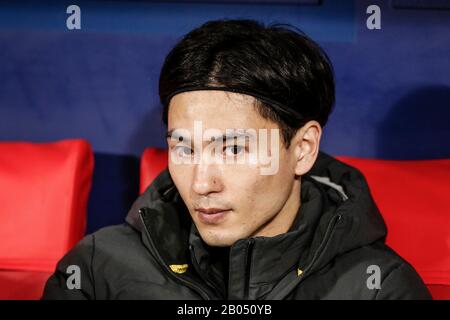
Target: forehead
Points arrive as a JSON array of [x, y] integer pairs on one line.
[[215, 109]]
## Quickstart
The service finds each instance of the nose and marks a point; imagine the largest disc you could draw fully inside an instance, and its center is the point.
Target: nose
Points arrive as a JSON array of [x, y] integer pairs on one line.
[[206, 179]]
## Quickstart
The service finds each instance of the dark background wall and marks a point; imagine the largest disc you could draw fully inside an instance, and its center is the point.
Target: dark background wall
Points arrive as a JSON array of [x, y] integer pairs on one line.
[[100, 82]]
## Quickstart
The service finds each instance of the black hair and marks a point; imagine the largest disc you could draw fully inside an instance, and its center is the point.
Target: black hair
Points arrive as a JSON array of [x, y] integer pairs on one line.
[[290, 76]]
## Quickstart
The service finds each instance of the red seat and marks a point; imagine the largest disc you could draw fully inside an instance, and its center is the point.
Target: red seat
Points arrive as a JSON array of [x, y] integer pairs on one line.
[[44, 190], [413, 198], [411, 195], [153, 161]]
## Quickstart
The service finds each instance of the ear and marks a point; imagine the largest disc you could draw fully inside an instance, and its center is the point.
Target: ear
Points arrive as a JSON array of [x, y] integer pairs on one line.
[[306, 144]]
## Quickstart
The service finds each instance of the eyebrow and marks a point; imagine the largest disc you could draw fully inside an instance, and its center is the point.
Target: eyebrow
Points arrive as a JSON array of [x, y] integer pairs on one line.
[[171, 135]]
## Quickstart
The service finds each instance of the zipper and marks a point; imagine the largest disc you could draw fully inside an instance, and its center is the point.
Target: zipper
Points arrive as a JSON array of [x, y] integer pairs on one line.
[[328, 233], [248, 267], [197, 267], [158, 257], [324, 242]]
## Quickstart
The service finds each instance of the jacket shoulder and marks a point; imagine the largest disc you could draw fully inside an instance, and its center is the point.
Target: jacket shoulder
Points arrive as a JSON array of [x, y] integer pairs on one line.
[[375, 271], [100, 257]]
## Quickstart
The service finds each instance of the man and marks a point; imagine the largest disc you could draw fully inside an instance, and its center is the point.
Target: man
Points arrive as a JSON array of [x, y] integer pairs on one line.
[[249, 208]]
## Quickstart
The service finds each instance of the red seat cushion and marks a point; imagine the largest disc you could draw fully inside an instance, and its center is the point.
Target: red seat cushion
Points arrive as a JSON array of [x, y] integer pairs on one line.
[[439, 291], [153, 162], [23, 285], [44, 193], [413, 199]]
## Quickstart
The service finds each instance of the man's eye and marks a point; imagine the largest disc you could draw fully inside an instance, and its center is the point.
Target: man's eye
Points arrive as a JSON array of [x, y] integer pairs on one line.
[[183, 151], [233, 150]]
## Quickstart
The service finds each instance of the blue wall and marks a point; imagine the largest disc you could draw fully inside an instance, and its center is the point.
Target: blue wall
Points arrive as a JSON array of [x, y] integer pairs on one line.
[[100, 82]]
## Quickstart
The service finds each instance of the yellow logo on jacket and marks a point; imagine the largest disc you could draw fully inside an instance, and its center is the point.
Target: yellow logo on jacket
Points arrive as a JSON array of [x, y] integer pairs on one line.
[[178, 268]]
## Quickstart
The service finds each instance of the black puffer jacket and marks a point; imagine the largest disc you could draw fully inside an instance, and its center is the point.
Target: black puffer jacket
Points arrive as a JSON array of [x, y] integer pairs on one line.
[[334, 250]]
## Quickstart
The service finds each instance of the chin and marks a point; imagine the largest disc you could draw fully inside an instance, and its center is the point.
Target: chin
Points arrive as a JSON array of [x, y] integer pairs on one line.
[[215, 238], [218, 241]]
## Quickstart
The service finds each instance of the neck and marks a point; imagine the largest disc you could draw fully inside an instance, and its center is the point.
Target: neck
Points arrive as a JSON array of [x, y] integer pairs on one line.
[[283, 220]]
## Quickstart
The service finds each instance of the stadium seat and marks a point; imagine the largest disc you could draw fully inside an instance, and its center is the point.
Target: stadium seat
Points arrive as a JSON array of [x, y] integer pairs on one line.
[[44, 189], [412, 196], [153, 161], [413, 199]]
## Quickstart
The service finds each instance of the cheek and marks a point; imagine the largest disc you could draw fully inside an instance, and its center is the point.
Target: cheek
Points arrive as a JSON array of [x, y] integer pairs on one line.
[[269, 195], [181, 176], [258, 195]]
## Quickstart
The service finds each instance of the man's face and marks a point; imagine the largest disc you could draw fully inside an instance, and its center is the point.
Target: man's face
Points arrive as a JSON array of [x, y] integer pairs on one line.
[[229, 200]]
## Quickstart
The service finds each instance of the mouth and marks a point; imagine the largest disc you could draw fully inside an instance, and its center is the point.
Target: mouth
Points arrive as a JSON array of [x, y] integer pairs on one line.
[[212, 215]]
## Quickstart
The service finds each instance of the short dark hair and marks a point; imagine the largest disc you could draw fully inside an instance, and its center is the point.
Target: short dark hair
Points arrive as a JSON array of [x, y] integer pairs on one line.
[[278, 62]]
